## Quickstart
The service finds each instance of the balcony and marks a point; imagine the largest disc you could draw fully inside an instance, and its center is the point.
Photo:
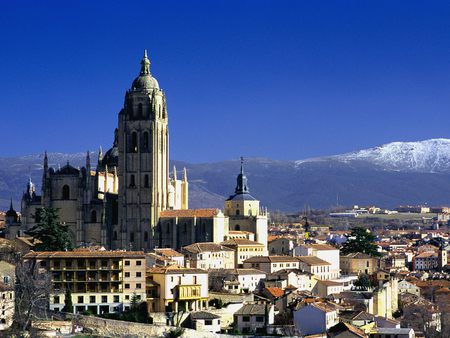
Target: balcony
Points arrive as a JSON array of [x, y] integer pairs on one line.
[[186, 292]]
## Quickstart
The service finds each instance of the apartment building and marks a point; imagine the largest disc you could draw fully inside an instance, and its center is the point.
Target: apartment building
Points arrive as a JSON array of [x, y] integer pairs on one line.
[[209, 256], [100, 281], [173, 288], [244, 249], [326, 252], [318, 267], [270, 264]]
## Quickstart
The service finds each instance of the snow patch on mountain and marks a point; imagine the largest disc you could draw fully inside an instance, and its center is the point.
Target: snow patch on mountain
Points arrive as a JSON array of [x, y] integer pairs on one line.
[[429, 156]]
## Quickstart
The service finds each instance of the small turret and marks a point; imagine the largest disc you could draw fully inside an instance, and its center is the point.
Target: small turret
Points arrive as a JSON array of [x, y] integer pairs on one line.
[[100, 156], [174, 173], [184, 174]]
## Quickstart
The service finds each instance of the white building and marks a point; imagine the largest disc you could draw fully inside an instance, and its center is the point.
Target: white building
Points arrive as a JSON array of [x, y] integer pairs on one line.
[[236, 281], [326, 252], [209, 256], [315, 318], [270, 264], [316, 266]]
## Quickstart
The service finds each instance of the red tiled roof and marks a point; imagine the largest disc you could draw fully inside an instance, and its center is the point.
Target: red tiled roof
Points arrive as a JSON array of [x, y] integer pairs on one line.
[[84, 254], [276, 292], [189, 213]]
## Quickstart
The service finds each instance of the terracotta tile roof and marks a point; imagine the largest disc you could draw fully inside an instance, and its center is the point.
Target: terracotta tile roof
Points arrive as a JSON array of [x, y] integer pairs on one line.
[[205, 247], [241, 241], [271, 259], [168, 252], [239, 232], [84, 254], [330, 283], [189, 213], [275, 292], [321, 246], [326, 307], [174, 270], [312, 260]]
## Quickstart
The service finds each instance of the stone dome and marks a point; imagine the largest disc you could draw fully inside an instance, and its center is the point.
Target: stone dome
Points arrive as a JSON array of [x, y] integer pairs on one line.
[[145, 80]]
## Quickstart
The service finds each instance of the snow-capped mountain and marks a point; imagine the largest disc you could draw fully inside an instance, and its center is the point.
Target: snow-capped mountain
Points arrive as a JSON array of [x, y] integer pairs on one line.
[[387, 176], [429, 156]]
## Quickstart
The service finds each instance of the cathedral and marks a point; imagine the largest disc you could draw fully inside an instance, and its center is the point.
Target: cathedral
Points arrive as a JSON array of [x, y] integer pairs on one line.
[[130, 201]]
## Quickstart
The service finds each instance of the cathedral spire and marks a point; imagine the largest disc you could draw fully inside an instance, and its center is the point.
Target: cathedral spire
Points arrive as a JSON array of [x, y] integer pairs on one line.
[[100, 155], [145, 64], [88, 160], [241, 182]]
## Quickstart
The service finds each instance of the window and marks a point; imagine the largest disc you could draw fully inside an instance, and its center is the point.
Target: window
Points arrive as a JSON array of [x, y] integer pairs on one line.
[[146, 182], [127, 263], [138, 274], [140, 110], [91, 299], [138, 286], [145, 141], [260, 319], [127, 297], [139, 263], [237, 227], [237, 212], [116, 299], [56, 299], [131, 236], [93, 216], [104, 299], [115, 236], [65, 192], [208, 322], [127, 274], [80, 299], [132, 181], [134, 142], [127, 286], [245, 318], [145, 236], [43, 264]]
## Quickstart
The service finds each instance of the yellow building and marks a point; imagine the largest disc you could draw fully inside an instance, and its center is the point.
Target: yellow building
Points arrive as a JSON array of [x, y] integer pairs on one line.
[[100, 281], [174, 289], [244, 249]]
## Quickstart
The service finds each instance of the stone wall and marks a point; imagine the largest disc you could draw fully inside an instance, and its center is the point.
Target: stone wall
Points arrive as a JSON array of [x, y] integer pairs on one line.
[[116, 328]]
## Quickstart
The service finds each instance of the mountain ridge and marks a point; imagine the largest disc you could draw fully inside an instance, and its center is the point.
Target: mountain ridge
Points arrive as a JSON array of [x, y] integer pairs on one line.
[[387, 175]]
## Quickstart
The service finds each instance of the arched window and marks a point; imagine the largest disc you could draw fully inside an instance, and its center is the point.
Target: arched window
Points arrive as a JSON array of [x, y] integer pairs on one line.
[[134, 142], [145, 236], [132, 181], [237, 227], [115, 236], [237, 212], [131, 236], [66, 192], [93, 216], [145, 141]]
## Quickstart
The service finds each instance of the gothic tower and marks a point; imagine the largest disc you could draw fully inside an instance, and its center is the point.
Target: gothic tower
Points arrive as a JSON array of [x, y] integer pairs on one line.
[[143, 170]]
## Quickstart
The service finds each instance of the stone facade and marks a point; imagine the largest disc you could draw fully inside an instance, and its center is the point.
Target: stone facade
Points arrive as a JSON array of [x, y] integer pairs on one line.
[[117, 205]]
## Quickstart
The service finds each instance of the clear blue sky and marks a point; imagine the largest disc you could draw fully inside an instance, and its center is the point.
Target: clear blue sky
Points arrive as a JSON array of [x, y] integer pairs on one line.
[[277, 79]]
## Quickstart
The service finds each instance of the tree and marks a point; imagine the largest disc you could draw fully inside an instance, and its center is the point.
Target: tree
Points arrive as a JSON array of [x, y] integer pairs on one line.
[[363, 282], [68, 306], [53, 234], [360, 240], [32, 292]]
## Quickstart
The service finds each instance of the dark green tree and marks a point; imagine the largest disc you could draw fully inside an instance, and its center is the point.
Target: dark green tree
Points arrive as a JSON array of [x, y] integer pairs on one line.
[[363, 282], [68, 306], [360, 240], [53, 234]]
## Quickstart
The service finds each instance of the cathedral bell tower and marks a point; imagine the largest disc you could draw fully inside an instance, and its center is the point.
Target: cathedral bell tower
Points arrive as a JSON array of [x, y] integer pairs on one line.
[[143, 169]]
